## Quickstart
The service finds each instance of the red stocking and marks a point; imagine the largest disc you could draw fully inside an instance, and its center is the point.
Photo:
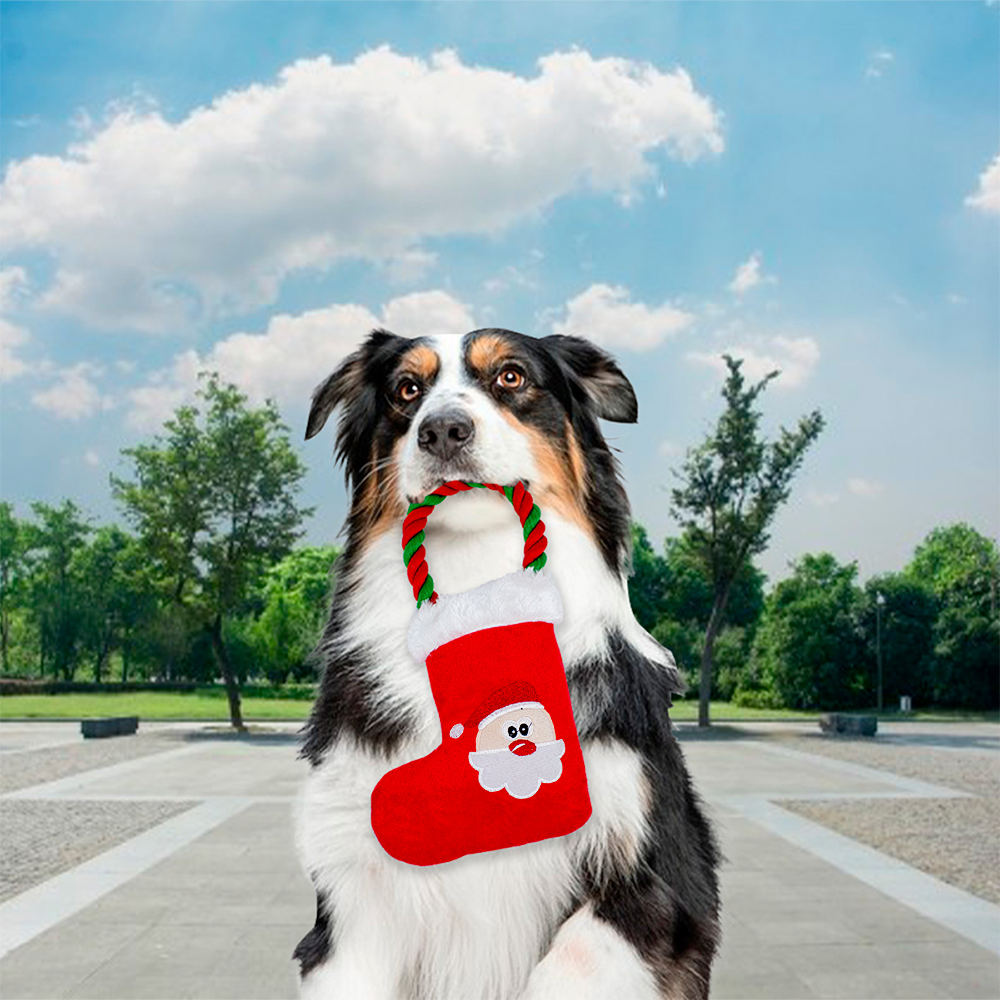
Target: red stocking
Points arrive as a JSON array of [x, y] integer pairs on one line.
[[509, 770]]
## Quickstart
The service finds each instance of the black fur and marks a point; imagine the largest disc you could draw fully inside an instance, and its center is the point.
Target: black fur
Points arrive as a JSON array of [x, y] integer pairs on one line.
[[667, 907], [314, 948]]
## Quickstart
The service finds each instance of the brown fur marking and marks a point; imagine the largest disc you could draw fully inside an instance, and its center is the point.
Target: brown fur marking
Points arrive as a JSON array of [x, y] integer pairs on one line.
[[487, 351], [558, 487], [421, 361]]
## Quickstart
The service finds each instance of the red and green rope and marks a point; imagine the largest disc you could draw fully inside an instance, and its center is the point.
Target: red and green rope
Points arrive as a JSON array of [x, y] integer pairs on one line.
[[416, 519]]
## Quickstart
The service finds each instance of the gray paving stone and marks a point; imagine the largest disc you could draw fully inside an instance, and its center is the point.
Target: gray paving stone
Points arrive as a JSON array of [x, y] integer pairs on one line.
[[220, 917]]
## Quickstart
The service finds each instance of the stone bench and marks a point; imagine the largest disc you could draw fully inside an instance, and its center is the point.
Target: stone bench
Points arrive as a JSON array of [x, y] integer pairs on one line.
[[124, 725], [850, 725]]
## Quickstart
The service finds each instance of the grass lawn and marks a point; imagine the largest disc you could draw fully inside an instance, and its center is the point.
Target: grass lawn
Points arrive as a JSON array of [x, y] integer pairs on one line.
[[205, 703], [210, 703]]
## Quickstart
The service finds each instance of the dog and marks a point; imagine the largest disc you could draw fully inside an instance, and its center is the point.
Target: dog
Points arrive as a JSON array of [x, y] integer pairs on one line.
[[628, 905]]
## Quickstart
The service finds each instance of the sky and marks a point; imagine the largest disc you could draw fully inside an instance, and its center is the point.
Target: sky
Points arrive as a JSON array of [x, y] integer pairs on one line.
[[251, 187]]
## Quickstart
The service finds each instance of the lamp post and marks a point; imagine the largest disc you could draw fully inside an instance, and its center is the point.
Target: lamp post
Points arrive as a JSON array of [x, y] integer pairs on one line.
[[879, 605]]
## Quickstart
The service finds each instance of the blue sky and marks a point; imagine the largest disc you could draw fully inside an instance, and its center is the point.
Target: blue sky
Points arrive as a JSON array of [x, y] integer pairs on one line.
[[248, 185]]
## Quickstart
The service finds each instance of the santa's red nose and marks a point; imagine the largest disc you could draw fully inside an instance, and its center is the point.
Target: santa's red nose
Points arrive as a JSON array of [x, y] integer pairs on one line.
[[522, 747]]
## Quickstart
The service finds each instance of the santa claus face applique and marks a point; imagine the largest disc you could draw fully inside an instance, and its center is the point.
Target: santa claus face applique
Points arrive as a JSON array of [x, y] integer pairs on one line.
[[517, 749]]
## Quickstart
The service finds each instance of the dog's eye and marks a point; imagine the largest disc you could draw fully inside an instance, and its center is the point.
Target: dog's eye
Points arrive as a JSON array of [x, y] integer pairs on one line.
[[510, 378], [524, 729], [512, 731], [408, 390]]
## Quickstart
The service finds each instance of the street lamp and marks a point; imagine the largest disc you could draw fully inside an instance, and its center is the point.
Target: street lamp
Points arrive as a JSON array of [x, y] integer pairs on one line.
[[879, 605]]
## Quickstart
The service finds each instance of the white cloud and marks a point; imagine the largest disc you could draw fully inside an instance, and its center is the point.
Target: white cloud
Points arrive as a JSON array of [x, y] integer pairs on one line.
[[410, 266], [795, 358], [606, 315], [818, 499], [74, 394], [91, 457], [865, 487], [294, 354], [987, 197], [749, 275], [150, 221], [878, 63], [13, 284]]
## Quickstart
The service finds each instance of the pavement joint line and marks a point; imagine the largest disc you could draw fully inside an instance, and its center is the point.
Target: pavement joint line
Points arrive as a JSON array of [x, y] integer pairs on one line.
[[41, 908], [127, 797], [974, 919], [924, 789], [73, 782]]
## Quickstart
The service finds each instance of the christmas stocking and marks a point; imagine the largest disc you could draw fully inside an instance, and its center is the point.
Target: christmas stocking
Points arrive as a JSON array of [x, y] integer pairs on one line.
[[509, 769]]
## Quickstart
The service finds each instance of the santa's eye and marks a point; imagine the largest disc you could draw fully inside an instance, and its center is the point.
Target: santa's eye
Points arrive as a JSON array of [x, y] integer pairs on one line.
[[512, 731], [524, 729]]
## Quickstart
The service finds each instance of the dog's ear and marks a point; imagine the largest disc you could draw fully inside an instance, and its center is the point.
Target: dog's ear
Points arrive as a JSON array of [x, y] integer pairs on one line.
[[347, 383], [607, 389]]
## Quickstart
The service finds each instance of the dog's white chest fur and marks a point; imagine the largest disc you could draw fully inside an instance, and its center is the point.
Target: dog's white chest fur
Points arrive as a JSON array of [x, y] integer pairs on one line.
[[477, 926]]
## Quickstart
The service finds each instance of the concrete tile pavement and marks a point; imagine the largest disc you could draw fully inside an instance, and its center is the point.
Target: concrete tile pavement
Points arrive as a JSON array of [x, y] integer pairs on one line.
[[220, 915]]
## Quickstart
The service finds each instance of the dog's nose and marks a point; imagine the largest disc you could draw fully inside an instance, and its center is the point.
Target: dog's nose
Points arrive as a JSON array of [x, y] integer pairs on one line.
[[446, 433]]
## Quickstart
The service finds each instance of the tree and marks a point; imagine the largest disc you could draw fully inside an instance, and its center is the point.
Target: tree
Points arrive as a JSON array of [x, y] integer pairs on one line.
[[117, 593], [214, 500], [56, 586], [13, 570], [809, 647], [671, 596], [908, 618], [962, 568], [296, 594], [731, 488], [647, 586]]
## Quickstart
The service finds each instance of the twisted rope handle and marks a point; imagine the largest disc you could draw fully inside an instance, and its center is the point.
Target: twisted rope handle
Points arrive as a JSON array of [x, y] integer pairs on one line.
[[524, 506]]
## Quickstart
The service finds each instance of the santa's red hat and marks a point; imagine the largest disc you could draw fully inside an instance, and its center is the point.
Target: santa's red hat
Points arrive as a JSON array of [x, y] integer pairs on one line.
[[517, 695]]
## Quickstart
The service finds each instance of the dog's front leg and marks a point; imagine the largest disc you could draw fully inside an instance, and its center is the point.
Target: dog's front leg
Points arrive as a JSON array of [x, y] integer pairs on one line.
[[360, 966], [590, 960]]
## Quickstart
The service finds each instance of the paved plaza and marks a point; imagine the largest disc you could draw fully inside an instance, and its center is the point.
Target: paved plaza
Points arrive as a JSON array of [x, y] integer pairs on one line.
[[204, 898]]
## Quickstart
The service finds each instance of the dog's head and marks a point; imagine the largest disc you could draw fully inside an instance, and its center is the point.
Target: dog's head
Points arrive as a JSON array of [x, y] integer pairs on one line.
[[489, 406]]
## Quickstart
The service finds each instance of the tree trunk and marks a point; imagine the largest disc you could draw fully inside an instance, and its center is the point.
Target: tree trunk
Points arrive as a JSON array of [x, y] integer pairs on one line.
[[232, 688], [4, 629], [705, 680]]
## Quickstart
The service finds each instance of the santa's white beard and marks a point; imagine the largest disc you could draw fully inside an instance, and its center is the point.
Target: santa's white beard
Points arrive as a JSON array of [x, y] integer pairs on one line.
[[521, 776]]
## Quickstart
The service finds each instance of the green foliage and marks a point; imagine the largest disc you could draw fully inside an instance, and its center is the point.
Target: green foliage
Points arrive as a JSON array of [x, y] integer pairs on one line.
[[214, 501], [296, 597], [14, 569], [731, 488], [809, 649], [962, 567], [908, 617], [56, 597]]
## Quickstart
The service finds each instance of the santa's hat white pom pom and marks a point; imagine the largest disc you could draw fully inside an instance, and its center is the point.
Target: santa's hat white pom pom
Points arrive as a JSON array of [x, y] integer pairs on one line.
[[457, 730]]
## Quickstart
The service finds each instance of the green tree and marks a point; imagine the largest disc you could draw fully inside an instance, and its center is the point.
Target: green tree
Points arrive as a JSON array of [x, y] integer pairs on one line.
[[908, 616], [214, 499], [296, 595], [118, 596], [962, 568], [809, 650], [647, 586], [14, 567], [56, 587], [731, 488]]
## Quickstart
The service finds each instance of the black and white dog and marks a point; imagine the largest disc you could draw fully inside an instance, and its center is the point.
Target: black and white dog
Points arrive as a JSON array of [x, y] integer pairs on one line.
[[628, 905]]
